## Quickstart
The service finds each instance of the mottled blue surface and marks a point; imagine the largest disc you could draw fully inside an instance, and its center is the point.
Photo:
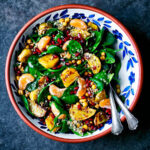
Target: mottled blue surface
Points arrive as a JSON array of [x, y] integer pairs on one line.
[[14, 133]]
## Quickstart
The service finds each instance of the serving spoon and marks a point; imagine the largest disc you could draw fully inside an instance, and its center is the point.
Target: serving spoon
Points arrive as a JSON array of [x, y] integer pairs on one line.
[[116, 123]]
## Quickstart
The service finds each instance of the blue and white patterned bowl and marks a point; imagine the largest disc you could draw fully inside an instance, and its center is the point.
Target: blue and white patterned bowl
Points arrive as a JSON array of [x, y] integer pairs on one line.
[[131, 73]]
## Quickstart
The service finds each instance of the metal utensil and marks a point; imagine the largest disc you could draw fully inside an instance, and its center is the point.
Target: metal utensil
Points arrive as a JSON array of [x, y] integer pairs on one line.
[[131, 120], [116, 123]]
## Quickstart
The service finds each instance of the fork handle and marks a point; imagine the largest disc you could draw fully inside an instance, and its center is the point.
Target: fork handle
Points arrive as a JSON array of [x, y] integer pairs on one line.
[[131, 120], [116, 123]]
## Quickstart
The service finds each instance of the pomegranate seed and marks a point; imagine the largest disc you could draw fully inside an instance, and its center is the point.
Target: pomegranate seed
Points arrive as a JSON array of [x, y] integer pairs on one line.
[[52, 115], [59, 66], [47, 79], [87, 122], [31, 46], [83, 130], [55, 56], [71, 92], [79, 106], [94, 67], [19, 72], [37, 50], [75, 92], [34, 52], [92, 103], [89, 93], [82, 41], [67, 32], [77, 54], [52, 72], [52, 80], [83, 97], [95, 128], [59, 41], [91, 119], [54, 68], [76, 88], [90, 75], [67, 63], [53, 42], [53, 35], [44, 49], [92, 127]]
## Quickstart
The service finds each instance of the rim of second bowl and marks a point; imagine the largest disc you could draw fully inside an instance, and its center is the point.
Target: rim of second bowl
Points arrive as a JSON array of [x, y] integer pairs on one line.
[[10, 52]]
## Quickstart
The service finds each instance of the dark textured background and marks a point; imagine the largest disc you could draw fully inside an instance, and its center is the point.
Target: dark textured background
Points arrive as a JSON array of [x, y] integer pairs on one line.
[[14, 133]]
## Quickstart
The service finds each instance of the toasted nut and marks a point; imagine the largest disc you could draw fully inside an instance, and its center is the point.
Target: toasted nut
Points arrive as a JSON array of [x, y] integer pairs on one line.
[[29, 41], [79, 62], [118, 86], [102, 58], [73, 61], [118, 91], [103, 54], [27, 46], [78, 125], [86, 94], [67, 20], [17, 77], [97, 106], [49, 97], [85, 73], [93, 86], [20, 92], [85, 126], [61, 20], [64, 23], [82, 100]]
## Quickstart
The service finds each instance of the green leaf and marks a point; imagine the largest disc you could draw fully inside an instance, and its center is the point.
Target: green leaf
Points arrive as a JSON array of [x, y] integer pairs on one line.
[[74, 47], [110, 50], [110, 77], [110, 59], [32, 86], [26, 104], [64, 126], [109, 39], [50, 31], [44, 93], [26, 69], [69, 98], [52, 49], [94, 40], [57, 100], [117, 69], [59, 35], [102, 76], [99, 84]]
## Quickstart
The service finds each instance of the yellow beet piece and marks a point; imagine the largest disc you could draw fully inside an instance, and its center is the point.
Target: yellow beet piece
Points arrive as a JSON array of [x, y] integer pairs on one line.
[[82, 114], [93, 62], [48, 61], [33, 95], [24, 55], [77, 23], [100, 96], [50, 123], [68, 76]]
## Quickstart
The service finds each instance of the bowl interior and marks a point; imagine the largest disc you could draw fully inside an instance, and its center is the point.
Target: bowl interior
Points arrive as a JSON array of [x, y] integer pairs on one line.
[[129, 73]]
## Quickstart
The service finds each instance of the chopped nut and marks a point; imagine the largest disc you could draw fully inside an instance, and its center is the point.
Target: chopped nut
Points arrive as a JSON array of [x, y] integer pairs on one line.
[[79, 62], [93, 86], [20, 92], [49, 97]]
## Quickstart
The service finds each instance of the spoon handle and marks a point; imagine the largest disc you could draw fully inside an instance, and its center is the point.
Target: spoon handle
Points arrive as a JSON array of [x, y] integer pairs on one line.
[[116, 123], [131, 120]]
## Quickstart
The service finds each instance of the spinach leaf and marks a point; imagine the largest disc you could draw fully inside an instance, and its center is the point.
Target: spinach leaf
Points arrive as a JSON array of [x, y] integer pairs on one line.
[[99, 84], [110, 77], [44, 93], [52, 49], [26, 104], [59, 35], [64, 126], [109, 39], [110, 59], [111, 51], [34, 67], [74, 47], [35, 37], [32, 86], [57, 100], [94, 40], [50, 31], [69, 98]]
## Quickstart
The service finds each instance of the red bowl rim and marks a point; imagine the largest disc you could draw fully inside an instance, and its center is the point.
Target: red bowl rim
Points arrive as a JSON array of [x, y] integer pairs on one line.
[[7, 70]]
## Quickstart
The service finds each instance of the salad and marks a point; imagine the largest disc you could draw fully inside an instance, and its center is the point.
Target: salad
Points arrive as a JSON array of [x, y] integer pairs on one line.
[[63, 73]]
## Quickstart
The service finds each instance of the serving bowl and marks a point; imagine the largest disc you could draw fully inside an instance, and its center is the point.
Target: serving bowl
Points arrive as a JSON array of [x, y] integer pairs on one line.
[[130, 75]]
